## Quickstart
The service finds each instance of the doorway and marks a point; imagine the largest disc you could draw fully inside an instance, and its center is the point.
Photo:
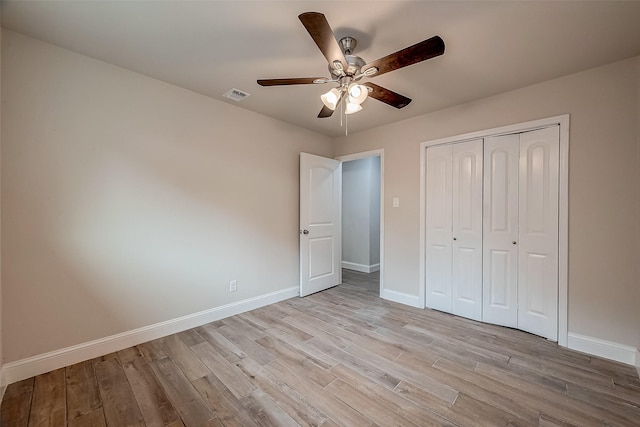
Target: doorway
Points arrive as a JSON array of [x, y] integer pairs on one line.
[[362, 220]]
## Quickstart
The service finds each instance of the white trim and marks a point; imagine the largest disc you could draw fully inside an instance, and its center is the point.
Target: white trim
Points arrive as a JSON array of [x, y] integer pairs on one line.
[[563, 207], [361, 267], [422, 251], [638, 361], [563, 233], [607, 349], [42, 363], [402, 298], [364, 155]]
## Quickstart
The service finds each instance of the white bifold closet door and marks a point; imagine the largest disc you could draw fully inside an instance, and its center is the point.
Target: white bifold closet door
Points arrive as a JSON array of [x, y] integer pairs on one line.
[[454, 228], [500, 272], [439, 231], [520, 248]]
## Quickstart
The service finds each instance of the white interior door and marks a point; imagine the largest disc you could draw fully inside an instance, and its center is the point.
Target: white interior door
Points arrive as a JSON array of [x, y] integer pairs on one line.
[[439, 228], [320, 223], [500, 250], [538, 232], [466, 279]]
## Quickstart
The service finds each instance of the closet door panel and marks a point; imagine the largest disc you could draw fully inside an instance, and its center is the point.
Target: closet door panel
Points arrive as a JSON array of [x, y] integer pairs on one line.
[[467, 167], [439, 233], [500, 224], [538, 224]]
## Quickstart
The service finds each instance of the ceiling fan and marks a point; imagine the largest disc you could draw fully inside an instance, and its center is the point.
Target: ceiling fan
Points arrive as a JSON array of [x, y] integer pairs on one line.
[[347, 69]]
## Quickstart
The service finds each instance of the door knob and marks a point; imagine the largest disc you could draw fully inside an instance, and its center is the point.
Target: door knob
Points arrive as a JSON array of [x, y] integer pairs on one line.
[[304, 232], [455, 238], [514, 242]]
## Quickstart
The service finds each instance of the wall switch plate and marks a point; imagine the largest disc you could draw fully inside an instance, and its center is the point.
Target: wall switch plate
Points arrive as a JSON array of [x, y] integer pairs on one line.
[[233, 286], [396, 202]]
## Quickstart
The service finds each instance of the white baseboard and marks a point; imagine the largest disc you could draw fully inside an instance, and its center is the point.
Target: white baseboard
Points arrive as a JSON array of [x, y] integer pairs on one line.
[[402, 298], [361, 267], [638, 361], [606, 349], [42, 363]]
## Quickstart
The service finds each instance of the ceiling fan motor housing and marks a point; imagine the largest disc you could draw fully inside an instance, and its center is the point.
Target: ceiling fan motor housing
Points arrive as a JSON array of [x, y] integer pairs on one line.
[[354, 64]]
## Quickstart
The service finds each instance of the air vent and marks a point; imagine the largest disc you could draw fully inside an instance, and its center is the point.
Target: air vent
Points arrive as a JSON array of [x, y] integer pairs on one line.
[[236, 94]]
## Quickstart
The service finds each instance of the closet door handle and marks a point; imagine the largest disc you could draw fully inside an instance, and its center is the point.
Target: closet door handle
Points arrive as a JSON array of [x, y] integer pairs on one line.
[[455, 238], [514, 242]]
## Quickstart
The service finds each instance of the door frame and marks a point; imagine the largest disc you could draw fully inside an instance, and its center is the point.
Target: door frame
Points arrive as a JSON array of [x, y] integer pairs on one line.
[[364, 155], [563, 205]]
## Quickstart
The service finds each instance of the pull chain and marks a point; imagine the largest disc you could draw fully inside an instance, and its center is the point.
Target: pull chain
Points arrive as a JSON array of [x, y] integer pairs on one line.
[[346, 125]]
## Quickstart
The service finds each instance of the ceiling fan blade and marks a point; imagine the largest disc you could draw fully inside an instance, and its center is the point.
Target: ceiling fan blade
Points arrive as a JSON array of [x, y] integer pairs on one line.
[[387, 96], [422, 51], [293, 81], [325, 112], [321, 33]]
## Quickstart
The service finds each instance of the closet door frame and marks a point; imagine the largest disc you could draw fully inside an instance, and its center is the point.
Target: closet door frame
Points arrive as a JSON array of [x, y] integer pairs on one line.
[[563, 205]]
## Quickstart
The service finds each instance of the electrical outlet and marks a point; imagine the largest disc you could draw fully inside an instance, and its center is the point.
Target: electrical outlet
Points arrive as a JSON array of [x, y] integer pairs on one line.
[[233, 286]]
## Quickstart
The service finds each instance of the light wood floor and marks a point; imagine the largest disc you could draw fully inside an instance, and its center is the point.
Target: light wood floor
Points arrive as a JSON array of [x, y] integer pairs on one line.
[[339, 357]]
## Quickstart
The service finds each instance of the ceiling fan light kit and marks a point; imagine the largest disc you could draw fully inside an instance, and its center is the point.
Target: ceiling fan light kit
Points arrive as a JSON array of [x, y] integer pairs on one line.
[[347, 69], [357, 93], [331, 98]]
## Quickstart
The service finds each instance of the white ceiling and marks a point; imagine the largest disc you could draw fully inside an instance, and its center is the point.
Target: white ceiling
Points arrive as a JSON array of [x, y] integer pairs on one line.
[[212, 46]]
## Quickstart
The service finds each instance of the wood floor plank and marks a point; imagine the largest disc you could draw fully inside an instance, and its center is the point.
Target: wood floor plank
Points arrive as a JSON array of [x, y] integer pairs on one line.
[[379, 347], [250, 347], [18, 388], [466, 385], [190, 337], [83, 395], [229, 374], [193, 410], [382, 397], [90, 419], [311, 326], [182, 355], [119, 404], [15, 410], [49, 404], [129, 355], [16, 403], [336, 409], [296, 405], [380, 412], [227, 407], [316, 356], [263, 409], [247, 329], [152, 350], [437, 388], [226, 348], [274, 316], [465, 411], [297, 360], [376, 373], [154, 405], [535, 399]]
